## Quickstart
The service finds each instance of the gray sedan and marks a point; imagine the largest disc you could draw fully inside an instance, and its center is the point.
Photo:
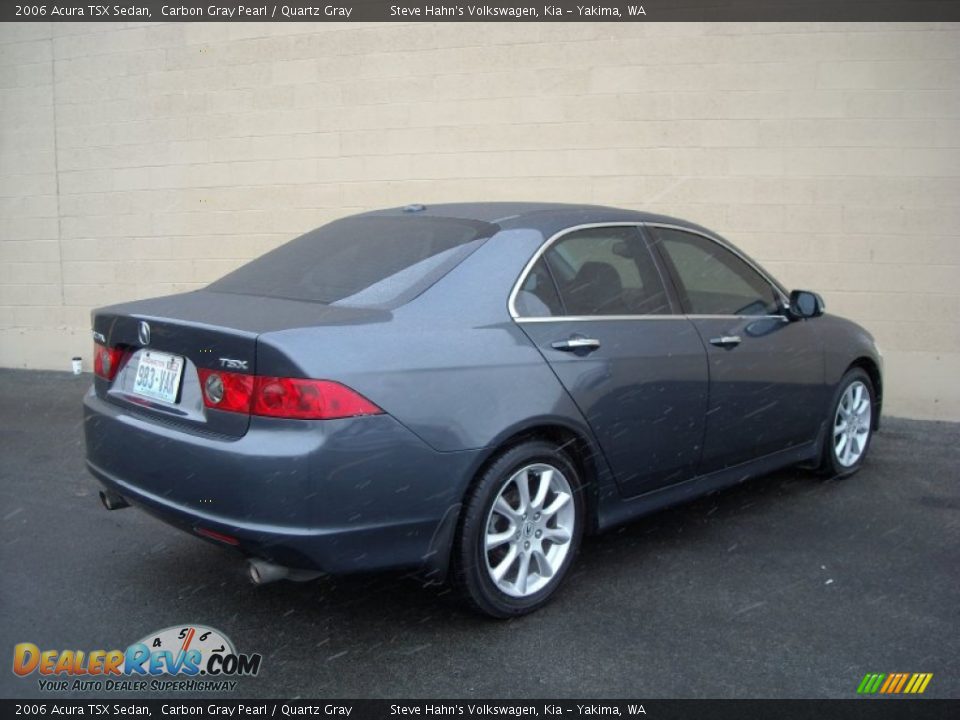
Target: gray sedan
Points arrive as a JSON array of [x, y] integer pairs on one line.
[[468, 389]]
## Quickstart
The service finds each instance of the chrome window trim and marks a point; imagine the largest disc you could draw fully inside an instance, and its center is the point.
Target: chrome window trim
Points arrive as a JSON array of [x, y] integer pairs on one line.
[[584, 318], [511, 300]]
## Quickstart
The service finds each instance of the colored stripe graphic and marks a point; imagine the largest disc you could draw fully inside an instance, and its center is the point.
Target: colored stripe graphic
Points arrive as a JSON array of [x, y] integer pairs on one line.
[[918, 683], [870, 683], [894, 683], [891, 680]]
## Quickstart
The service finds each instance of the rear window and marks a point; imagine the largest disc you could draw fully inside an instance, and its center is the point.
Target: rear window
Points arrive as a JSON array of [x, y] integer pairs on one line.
[[368, 261]]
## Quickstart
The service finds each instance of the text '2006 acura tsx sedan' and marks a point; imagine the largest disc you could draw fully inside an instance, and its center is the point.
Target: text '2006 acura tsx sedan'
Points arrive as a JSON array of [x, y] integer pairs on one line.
[[468, 389]]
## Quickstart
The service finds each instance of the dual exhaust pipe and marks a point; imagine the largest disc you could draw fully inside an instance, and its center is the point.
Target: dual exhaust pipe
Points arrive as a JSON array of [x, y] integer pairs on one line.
[[259, 571]]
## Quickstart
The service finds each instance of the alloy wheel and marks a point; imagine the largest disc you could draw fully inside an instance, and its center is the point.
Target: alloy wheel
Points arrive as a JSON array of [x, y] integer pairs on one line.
[[529, 530], [851, 426]]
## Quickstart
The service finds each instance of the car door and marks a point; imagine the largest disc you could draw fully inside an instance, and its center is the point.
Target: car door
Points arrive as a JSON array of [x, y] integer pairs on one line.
[[766, 372], [596, 305]]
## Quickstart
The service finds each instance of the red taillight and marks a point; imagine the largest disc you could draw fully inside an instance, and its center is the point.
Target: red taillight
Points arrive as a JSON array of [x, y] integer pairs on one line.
[[106, 361], [228, 391], [282, 397], [308, 399]]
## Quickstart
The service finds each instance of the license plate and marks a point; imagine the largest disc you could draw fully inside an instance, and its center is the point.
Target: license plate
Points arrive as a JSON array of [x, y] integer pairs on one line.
[[158, 376]]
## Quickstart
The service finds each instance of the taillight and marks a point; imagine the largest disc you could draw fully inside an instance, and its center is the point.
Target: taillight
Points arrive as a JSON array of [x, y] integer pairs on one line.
[[106, 361], [282, 397], [228, 391], [308, 399]]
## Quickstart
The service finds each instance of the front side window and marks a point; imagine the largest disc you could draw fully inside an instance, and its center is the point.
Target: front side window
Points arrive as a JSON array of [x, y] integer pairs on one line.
[[605, 271], [714, 280]]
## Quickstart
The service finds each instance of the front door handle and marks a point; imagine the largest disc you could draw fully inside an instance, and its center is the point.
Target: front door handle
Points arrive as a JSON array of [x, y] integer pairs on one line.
[[727, 341], [576, 343]]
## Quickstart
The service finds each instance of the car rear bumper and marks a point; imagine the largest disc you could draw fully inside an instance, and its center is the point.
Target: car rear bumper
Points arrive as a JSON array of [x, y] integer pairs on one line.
[[336, 495]]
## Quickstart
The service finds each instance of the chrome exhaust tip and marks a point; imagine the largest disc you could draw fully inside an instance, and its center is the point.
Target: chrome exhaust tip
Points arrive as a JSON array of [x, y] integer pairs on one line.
[[262, 572], [112, 501]]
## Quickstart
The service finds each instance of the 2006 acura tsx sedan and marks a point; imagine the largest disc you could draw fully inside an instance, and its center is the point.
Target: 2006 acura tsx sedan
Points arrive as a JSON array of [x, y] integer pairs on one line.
[[468, 389]]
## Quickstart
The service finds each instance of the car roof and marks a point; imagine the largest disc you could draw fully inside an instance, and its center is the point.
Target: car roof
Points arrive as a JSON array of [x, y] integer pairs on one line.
[[546, 217]]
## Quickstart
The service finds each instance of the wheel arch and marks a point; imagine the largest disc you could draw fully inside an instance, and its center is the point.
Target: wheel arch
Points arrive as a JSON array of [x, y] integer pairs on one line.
[[585, 456], [575, 442], [872, 369]]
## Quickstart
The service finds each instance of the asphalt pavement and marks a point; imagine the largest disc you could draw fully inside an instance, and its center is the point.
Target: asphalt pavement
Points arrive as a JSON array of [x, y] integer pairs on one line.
[[785, 586]]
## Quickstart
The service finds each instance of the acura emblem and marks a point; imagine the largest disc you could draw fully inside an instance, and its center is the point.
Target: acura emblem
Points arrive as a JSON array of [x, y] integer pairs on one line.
[[144, 332]]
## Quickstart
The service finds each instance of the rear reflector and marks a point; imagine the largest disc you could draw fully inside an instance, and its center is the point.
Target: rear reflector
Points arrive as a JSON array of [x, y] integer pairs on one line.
[[298, 398], [219, 537], [107, 361]]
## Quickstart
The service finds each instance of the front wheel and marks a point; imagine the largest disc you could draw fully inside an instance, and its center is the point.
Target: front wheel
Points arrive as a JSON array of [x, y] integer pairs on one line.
[[850, 425], [520, 530]]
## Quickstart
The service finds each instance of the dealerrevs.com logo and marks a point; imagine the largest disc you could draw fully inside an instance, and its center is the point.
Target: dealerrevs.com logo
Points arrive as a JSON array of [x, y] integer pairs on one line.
[[178, 658]]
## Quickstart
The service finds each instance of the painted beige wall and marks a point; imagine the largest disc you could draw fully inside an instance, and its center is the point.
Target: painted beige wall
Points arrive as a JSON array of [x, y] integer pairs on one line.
[[142, 160]]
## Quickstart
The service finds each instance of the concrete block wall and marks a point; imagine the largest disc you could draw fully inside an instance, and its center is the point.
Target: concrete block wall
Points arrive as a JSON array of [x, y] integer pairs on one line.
[[138, 160]]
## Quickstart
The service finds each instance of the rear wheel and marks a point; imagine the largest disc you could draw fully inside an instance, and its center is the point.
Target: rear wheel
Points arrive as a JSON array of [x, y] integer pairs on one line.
[[850, 425], [520, 530]]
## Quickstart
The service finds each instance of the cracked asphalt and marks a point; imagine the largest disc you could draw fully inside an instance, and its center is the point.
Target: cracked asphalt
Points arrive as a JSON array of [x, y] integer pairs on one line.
[[785, 586]]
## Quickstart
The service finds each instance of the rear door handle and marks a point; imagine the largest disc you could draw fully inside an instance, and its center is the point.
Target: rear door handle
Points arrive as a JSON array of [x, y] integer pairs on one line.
[[576, 343], [726, 341]]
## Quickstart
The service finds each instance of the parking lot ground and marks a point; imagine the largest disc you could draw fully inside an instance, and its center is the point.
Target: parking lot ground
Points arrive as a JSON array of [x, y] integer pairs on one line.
[[785, 586]]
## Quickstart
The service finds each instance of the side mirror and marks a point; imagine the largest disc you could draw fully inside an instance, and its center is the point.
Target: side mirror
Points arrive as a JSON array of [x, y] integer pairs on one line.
[[806, 304]]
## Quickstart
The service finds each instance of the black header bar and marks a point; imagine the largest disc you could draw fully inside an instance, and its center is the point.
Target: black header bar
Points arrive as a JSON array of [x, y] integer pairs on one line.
[[218, 707], [493, 11]]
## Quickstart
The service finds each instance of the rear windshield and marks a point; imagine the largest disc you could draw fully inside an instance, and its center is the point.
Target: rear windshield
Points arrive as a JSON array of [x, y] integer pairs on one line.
[[370, 261]]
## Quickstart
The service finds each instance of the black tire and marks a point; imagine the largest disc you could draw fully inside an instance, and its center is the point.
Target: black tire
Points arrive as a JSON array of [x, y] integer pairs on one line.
[[469, 562], [830, 463]]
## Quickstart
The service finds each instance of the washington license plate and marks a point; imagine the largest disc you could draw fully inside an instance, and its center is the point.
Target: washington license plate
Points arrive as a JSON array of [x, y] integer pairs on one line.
[[158, 376]]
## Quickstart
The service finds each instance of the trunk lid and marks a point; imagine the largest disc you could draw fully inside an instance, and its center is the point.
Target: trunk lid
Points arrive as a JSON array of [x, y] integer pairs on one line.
[[174, 337]]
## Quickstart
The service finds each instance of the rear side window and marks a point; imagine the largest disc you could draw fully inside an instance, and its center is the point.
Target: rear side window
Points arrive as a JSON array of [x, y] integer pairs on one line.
[[371, 261], [538, 295], [606, 271]]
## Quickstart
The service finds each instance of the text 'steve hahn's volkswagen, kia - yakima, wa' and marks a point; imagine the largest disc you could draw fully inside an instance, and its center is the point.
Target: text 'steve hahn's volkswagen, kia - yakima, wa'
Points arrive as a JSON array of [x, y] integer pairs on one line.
[[468, 389]]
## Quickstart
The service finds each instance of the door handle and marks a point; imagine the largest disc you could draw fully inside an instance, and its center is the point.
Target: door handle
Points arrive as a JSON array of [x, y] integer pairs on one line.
[[576, 343], [727, 341]]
